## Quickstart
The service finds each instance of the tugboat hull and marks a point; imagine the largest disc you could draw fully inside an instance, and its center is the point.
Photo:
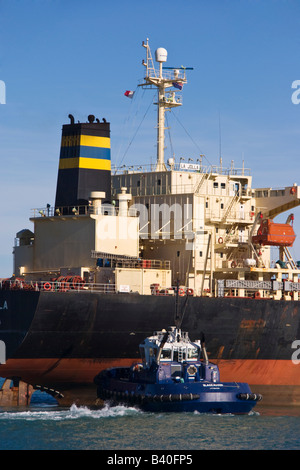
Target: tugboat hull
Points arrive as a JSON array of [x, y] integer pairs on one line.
[[221, 398]]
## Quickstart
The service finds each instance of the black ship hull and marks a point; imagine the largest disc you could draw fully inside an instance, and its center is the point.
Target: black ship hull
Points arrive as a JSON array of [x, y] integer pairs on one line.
[[61, 340]]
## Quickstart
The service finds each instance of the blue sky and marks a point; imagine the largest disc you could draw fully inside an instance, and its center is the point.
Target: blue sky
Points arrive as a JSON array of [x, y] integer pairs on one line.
[[69, 56]]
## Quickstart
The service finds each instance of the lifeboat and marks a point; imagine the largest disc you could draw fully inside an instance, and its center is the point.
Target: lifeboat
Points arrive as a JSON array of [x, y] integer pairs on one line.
[[274, 234]]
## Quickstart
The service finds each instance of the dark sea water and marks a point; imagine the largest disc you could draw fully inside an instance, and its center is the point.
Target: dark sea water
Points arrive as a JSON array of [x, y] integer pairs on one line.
[[46, 426]]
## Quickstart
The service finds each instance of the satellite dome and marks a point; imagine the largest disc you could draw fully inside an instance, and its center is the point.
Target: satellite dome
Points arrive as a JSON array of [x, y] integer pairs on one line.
[[161, 55]]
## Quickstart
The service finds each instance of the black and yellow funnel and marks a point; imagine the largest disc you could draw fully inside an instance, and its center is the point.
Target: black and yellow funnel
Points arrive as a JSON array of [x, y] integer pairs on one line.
[[84, 164]]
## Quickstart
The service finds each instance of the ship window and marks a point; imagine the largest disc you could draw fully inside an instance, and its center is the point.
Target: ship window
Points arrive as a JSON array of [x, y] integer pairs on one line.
[[175, 370], [158, 182], [138, 183], [206, 204], [192, 353], [216, 185], [200, 253], [223, 185], [222, 206], [142, 353], [166, 354]]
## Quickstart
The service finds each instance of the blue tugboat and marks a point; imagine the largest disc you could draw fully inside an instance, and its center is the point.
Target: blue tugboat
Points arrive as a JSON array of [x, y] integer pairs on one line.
[[174, 376]]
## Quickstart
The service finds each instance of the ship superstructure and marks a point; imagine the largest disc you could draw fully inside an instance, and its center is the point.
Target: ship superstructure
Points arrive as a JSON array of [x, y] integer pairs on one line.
[[204, 218]]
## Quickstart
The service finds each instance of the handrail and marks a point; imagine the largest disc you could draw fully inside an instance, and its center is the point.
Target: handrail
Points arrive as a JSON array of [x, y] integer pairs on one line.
[[81, 286], [104, 209], [197, 168]]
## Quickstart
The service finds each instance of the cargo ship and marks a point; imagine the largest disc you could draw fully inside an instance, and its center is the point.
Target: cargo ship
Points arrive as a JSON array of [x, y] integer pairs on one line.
[[126, 251]]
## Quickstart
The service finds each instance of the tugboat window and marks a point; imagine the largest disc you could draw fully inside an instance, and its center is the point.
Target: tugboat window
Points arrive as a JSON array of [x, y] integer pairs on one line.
[[166, 354], [192, 353], [142, 353]]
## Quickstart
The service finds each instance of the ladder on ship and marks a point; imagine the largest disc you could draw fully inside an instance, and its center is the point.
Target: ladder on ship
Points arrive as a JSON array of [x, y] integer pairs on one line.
[[207, 257], [200, 183], [180, 355], [289, 258], [227, 210]]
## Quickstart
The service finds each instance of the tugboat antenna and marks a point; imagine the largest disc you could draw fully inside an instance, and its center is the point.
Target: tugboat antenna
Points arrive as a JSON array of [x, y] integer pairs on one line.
[[177, 322], [179, 314]]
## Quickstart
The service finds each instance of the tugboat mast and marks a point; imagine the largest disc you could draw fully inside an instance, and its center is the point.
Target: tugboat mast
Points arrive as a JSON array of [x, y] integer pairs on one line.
[[174, 78]]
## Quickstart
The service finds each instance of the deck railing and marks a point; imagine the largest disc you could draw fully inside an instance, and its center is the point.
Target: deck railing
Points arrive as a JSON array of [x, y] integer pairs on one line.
[[74, 286], [104, 209]]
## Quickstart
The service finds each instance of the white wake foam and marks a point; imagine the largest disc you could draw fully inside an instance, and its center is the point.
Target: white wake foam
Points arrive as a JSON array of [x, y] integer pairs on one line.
[[74, 412]]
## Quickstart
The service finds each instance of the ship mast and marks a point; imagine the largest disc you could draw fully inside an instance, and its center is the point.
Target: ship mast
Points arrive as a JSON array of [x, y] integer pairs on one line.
[[174, 78]]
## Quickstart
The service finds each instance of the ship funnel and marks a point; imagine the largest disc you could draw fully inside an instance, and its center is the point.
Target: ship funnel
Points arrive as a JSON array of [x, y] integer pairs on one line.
[[84, 164]]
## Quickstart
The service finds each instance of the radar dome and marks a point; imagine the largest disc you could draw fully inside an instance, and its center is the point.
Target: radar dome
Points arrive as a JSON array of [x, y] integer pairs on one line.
[[161, 55]]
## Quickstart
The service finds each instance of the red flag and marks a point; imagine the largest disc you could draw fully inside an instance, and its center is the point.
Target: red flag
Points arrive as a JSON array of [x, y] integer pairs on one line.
[[129, 93]]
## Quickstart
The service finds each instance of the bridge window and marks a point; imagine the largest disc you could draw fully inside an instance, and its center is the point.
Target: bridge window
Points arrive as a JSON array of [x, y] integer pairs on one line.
[[166, 354], [192, 353]]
